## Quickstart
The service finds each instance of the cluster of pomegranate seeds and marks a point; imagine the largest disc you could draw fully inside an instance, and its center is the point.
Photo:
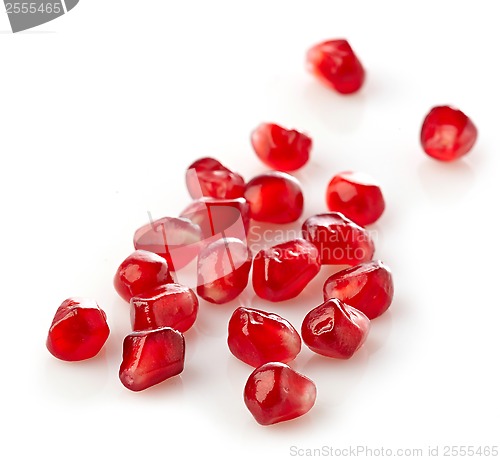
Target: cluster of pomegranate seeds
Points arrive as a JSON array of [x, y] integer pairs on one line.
[[223, 268], [213, 229], [280, 148], [151, 357], [367, 287], [335, 329], [335, 65], [257, 337], [274, 197], [283, 271], [170, 305], [208, 177], [357, 196], [447, 133], [339, 240], [78, 331]]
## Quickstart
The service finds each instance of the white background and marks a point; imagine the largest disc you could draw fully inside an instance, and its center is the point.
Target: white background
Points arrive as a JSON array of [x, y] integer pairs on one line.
[[100, 113]]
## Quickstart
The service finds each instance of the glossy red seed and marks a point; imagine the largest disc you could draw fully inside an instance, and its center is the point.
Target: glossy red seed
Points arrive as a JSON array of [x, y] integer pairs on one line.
[[339, 240], [368, 287], [276, 393], [283, 271], [334, 63], [335, 329], [151, 357], [175, 239], [214, 217], [281, 148], [275, 197], [78, 331], [257, 337], [171, 305], [208, 177], [223, 268], [140, 272], [447, 133], [357, 196]]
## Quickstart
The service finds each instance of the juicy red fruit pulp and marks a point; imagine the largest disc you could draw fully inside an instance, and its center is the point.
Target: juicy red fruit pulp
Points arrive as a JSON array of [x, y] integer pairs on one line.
[[171, 305], [368, 287], [151, 357], [338, 240], [175, 239], [208, 177], [334, 63], [139, 272], [223, 268], [357, 196], [78, 331], [447, 133], [283, 271], [281, 148], [276, 393], [257, 337], [275, 197], [335, 329]]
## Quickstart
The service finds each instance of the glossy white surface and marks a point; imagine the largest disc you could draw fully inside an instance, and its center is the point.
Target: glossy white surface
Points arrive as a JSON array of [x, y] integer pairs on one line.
[[99, 120]]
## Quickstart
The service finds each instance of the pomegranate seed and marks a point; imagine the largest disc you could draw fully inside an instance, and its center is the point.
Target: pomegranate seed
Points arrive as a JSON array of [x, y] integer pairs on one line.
[[208, 177], [223, 268], [151, 357], [276, 393], [140, 272], [334, 63], [78, 331], [280, 148], [368, 287], [357, 196], [229, 217], [447, 133], [339, 240], [335, 329], [171, 305], [176, 240], [256, 337], [275, 197], [283, 271]]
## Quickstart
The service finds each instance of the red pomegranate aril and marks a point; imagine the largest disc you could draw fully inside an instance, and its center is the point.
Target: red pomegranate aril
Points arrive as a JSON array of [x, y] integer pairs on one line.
[[208, 177], [335, 329], [368, 287], [171, 305], [283, 271], [275, 197], [214, 217], [175, 239], [78, 331], [276, 393], [447, 133], [257, 337], [334, 63], [281, 148], [140, 272], [151, 357], [357, 196], [223, 268], [338, 240]]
